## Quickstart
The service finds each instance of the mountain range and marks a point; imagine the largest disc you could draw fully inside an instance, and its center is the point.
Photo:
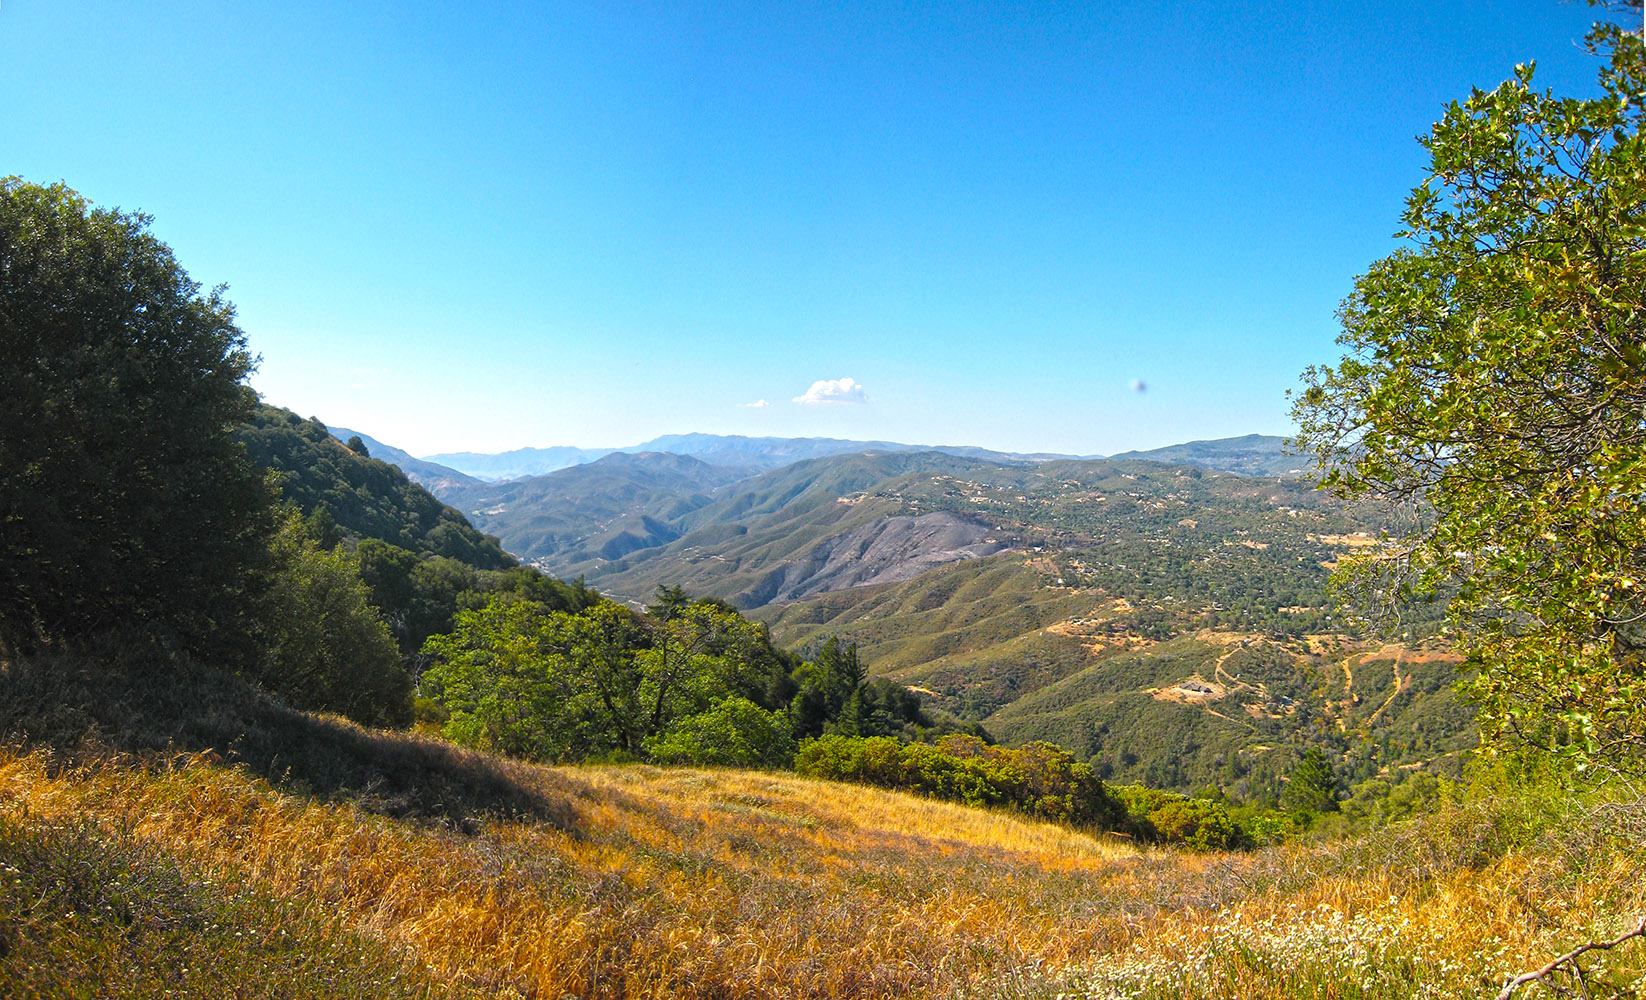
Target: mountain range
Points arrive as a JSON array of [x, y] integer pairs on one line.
[[745, 520], [731, 450], [1163, 613]]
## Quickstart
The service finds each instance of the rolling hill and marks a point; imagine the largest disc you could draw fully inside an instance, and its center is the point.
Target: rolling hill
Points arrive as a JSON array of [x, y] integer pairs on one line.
[[734, 450], [628, 524], [1101, 604], [429, 475], [1251, 455]]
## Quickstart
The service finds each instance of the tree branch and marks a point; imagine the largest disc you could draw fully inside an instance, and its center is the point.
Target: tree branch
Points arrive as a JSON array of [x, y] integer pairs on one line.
[[1570, 958]]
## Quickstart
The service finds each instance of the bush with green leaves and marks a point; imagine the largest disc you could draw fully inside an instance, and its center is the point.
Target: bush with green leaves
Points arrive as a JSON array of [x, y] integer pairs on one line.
[[734, 732], [326, 649], [1170, 818], [1377, 802], [1039, 779]]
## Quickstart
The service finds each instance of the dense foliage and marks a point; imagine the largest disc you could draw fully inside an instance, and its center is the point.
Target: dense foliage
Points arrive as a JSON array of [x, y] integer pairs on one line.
[[365, 497], [686, 681], [518, 676], [1167, 817], [125, 500], [1495, 381], [326, 646], [1039, 779]]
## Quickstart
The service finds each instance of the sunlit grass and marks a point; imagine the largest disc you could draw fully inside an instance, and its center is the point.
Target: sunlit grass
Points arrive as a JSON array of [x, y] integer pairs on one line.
[[674, 882]]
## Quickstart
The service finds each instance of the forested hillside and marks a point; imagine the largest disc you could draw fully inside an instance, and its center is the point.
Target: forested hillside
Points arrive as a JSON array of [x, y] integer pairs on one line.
[[365, 497]]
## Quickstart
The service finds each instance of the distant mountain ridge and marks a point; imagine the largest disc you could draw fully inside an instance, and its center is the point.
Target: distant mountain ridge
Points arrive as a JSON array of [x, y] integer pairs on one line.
[[758, 454], [1250, 455], [1247, 455]]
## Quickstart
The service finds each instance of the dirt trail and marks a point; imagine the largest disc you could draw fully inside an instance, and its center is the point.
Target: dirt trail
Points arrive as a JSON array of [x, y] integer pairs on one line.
[[1234, 683], [1400, 685], [1225, 718]]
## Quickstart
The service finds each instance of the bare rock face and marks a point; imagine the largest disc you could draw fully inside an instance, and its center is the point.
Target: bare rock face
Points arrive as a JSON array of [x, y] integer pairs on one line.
[[886, 551]]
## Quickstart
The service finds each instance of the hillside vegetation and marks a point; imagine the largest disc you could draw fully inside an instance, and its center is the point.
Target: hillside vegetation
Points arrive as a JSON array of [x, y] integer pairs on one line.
[[630, 523], [656, 882], [363, 496]]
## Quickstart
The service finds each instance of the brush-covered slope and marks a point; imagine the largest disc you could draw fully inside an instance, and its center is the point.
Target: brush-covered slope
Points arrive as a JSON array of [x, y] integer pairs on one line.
[[1251, 455], [630, 523], [853, 520], [596, 512], [366, 497], [1103, 637], [1142, 691], [430, 475]]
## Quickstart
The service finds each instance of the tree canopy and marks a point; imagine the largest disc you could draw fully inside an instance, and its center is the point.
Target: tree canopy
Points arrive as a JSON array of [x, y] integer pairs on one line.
[[125, 500], [1495, 385]]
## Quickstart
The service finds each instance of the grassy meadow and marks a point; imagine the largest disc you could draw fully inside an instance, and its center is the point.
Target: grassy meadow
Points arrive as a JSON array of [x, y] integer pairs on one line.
[[187, 874]]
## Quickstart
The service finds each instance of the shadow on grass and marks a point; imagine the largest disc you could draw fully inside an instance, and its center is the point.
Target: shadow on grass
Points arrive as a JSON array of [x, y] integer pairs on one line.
[[153, 708]]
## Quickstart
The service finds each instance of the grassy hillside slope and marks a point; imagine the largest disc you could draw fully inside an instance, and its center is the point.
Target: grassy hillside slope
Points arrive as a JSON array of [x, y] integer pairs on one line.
[[690, 883]]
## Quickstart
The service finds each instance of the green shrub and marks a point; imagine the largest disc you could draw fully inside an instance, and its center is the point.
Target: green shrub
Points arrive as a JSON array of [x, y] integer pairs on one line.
[[327, 649], [1170, 818], [1272, 827], [735, 732], [1039, 779]]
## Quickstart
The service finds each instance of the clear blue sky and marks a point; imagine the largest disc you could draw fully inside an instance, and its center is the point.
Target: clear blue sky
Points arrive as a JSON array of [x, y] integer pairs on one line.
[[482, 226]]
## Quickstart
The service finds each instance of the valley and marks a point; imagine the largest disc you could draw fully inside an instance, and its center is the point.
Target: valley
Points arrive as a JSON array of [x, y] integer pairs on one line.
[[1170, 623]]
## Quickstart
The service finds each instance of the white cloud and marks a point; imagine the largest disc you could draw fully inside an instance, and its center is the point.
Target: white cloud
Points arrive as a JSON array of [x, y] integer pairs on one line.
[[833, 390], [758, 404]]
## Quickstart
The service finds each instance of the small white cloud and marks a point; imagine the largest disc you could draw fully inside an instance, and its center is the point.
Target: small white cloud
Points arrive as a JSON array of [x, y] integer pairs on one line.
[[758, 404], [833, 390]]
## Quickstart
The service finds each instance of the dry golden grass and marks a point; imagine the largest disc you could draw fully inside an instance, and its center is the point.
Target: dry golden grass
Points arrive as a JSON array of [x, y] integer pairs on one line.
[[690, 883]]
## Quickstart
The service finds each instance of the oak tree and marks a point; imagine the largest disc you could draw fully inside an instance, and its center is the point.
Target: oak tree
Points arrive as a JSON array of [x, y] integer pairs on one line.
[[126, 502], [1494, 384]]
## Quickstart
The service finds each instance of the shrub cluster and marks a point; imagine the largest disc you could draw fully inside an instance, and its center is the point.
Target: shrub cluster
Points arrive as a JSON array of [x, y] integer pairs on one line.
[[1170, 818], [1040, 779]]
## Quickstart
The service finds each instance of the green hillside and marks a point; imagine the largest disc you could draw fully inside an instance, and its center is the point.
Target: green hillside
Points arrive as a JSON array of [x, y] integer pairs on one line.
[[1250, 455], [365, 497], [1128, 580], [599, 511], [996, 641], [630, 526], [630, 523]]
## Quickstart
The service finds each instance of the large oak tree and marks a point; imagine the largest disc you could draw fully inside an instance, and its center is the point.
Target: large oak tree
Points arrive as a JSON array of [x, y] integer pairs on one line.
[[126, 504]]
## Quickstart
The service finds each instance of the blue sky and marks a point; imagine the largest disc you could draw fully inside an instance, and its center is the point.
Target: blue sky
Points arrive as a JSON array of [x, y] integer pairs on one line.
[[482, 226]]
